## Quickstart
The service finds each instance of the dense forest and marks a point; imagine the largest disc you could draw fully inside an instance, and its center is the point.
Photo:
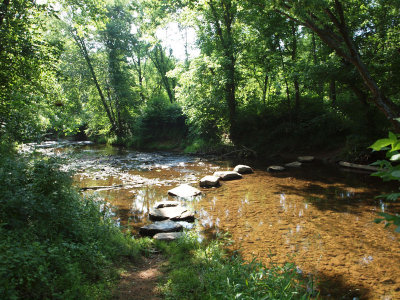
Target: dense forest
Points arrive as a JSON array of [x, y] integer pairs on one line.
[[250, 77], [267, 75]]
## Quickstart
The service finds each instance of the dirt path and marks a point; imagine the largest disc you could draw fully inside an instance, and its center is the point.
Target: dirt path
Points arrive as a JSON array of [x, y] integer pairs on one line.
[[139, 280]]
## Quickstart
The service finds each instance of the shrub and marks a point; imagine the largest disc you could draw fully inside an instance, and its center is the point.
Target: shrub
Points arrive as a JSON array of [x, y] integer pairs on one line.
[[160, 122], [54, 243], [389, 170]]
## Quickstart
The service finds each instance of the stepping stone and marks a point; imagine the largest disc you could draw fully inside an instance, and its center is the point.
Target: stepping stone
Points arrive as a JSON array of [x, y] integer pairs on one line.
[[243, 169], [295, 164], [168, 236], [305, 158], [166, 204], [184, 191], [209, 181], [160, 226], [176, 213], [275, 168], [227, 175]]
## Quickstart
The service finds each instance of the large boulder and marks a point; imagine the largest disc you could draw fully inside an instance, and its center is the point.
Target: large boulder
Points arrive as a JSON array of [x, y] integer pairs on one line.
[[160, 226], [168, 236], [209, 181], [243, 169], [184, 191], [227, 175], [275, 169], [305, 158], [174, 213]]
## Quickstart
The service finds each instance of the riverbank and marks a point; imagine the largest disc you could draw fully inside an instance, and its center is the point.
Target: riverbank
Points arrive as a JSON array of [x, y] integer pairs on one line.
[[189, 269], [57, 244], [314, 214]]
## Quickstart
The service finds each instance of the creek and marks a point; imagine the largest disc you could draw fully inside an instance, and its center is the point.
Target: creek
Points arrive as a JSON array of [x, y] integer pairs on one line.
[[318, 216]]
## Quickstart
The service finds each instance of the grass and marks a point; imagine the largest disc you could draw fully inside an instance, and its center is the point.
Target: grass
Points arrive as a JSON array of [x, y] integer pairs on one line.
[[199, 270]]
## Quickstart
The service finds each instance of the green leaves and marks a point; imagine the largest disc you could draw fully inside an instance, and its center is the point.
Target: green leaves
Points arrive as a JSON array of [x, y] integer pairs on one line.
[[389, 172], [390, 220]]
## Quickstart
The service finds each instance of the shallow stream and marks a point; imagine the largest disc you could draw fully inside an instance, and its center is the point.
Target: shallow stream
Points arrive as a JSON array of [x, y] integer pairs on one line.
[[318, 216]]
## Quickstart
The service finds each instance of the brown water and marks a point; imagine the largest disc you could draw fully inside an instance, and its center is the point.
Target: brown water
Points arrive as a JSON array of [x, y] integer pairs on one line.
[[320, 217]]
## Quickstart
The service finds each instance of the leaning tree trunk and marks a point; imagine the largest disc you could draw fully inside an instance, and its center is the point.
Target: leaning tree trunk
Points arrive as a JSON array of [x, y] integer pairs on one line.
[[82, 46], [344, 47]]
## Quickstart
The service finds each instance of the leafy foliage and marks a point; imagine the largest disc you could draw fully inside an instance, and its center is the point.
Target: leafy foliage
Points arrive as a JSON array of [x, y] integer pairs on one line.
[[54, 244], [388, 171]]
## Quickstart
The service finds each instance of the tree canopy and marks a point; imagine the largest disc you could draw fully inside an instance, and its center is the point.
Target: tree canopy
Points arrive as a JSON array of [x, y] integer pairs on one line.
[[308, 72]]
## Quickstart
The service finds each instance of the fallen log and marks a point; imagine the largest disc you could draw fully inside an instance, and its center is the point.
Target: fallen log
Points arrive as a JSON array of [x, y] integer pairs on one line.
[[99, 187], [358, 166]]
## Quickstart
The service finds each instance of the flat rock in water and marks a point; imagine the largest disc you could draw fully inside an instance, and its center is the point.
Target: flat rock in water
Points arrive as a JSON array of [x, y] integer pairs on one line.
[[168, 236], [175, 213], [227, 175], [160, 226], [295, 164], [184, 191], [275, 168], [166, 204], [305, 158], [243, 169], [209, 181]]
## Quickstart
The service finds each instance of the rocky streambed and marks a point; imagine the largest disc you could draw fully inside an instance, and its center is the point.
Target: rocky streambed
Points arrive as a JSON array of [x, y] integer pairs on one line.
[[318, 216]]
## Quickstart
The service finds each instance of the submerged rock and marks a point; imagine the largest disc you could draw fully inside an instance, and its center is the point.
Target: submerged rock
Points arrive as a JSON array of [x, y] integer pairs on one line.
[[166, 204], [227, 175], [275, 168], [160, 226], [305, 158], [295, 164], [176, 213], [209, 181], [184, 191], [243, 169], [168, 236]]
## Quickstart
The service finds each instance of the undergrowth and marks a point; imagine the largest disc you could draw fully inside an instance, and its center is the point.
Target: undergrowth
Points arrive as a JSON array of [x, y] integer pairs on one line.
[[54, 244], [198, 270]]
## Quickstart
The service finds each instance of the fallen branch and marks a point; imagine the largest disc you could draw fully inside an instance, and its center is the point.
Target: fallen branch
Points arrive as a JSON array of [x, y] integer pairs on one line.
[[357, 166], [98, 187]]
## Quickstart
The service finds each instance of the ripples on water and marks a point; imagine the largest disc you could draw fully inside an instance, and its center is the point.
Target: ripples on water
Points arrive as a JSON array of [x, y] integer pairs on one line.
[[318, 216]]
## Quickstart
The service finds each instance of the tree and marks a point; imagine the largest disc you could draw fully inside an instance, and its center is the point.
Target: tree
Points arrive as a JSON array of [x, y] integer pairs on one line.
[[328, 20]]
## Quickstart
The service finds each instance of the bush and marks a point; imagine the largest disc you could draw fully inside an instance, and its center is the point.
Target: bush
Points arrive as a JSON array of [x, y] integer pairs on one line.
[[161, 122], [389, 171], [54, 244]]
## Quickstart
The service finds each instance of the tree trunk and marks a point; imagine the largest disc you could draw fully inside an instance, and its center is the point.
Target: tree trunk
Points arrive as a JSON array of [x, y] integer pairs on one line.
[[332, 91], [344, 47], [226, 42], [82, 46], [231, 98], [264, 95], [3, 10], [284, 76], [295, 79], [159, 62]]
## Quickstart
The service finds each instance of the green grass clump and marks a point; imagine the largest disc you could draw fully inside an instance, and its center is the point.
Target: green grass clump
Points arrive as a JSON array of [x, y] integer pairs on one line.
[[54, 244], [205, 271]]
